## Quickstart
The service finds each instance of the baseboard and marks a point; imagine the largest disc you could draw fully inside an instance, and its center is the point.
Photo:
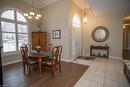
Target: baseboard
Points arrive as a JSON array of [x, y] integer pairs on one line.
[[65, 60], [113, 57], [12, 62], [16, 61]]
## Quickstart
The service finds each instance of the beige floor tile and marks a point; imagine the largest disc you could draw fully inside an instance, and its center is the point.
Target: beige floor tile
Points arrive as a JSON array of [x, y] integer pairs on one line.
[[96, 84], [103, 73], [110, 83]]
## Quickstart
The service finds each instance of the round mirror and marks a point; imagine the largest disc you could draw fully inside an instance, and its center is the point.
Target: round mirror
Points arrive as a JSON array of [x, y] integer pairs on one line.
[[100, 34]]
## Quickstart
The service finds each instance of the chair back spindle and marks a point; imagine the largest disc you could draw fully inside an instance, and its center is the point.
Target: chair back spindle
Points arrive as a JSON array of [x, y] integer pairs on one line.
[[24, 52], [50, 47]]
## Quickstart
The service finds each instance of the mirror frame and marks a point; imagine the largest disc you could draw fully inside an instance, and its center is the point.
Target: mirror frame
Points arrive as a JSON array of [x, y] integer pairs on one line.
[[106, 36]]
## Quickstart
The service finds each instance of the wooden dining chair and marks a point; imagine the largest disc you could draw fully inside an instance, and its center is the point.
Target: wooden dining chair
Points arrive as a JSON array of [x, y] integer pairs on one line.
[[54, 60], [59, 59], [50, 47], [29, 49], [29, 46], [27, 63]]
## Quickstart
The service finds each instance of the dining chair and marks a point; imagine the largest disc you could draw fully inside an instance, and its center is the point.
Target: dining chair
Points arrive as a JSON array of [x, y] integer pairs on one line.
[[29, 49], [59, 55], [29, 46], [50, 47], [54, 60], [27, 62]]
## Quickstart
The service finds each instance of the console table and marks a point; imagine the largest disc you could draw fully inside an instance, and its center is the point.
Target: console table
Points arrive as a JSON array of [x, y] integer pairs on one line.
[[1, 76], [106, 48]]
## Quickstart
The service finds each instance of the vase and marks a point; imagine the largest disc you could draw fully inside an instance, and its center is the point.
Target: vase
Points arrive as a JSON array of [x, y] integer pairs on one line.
[[38, 50]]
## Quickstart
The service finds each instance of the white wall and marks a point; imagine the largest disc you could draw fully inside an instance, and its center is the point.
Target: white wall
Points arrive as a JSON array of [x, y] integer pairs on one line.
[[23, 7], [74, 9], [58, 16], [114, 23]]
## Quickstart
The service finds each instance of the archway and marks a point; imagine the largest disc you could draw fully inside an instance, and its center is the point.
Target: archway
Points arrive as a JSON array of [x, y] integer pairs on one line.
[[76, 36]]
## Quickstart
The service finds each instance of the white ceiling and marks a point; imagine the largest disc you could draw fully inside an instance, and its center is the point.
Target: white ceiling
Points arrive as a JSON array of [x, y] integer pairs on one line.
[[40, 3], [43, 3], [100, 7]]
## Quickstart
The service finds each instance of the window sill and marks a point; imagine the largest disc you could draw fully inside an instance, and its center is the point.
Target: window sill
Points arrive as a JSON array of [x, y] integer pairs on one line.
[[10, 54]]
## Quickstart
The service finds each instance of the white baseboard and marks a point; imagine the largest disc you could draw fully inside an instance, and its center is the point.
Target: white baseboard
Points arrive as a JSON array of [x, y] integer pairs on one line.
[[65, 60], [113, 57], [16, 61]]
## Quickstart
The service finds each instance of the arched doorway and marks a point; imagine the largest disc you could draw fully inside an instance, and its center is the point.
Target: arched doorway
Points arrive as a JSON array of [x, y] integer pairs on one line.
[[76, 36]]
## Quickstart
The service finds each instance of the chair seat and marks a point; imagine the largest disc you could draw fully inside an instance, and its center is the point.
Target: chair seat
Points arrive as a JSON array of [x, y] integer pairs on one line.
[[47, 62], [33, 62]]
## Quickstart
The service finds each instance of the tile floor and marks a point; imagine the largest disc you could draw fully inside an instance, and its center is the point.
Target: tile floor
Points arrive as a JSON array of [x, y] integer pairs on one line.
[[103, 73]]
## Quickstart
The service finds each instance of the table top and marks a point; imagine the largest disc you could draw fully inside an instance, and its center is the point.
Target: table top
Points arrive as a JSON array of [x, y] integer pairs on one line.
[[45, 54]]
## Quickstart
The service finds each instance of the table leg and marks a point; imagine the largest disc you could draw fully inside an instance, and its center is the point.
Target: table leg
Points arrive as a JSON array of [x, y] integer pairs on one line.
[[40, 68]]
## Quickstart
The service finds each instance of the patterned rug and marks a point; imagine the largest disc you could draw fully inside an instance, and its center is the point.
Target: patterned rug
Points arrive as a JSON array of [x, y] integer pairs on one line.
[[86, 58]]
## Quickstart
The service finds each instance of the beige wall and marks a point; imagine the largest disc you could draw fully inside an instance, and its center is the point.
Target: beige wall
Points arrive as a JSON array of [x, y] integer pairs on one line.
[[74, 9], [114, 23], [22, 7], [58, 16]]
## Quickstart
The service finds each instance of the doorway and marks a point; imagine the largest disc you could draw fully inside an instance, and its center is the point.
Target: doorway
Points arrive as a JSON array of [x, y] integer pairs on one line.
[[76, 37], [126, 38]]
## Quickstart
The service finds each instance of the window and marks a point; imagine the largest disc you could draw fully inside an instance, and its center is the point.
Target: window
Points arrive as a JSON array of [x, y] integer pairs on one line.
[[14, 30]]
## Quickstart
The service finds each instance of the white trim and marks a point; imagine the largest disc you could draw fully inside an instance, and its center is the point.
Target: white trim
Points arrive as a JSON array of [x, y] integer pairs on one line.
[[16, 23], [114, 57], [20, 60], [65, 60], [16, 61]]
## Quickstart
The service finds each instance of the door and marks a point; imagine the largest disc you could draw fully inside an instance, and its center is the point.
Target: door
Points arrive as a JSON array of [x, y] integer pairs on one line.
[[76, 36], [126, 42], [76, 42]]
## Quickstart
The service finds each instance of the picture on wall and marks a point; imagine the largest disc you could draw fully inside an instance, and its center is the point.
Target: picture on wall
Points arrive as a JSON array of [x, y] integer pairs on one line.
[[56, 34]]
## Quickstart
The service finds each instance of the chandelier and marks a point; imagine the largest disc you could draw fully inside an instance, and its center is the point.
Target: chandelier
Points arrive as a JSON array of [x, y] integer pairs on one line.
[[85, 14], [32, 14]]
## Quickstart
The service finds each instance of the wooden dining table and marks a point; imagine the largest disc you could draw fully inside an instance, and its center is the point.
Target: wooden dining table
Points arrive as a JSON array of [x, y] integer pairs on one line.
[[40, 56]]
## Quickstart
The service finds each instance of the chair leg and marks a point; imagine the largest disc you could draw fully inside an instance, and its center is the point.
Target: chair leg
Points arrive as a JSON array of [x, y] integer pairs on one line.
[[60, 68], [24, 69], [52, 71], [56, 68], [29, 70]]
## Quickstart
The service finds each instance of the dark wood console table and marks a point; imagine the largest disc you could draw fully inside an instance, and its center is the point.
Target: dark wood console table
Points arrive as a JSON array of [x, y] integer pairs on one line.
[[106, 48], [1, 76]]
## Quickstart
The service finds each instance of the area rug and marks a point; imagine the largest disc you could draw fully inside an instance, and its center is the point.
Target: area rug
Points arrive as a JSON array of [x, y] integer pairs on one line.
[[71, 73], [87, 58]]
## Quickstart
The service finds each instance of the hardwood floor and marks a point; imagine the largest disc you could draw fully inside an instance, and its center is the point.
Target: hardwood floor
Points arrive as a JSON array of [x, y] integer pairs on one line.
[[71, 73]]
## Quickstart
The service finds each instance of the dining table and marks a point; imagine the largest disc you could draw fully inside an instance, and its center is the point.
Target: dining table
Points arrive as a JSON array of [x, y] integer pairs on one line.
[[40, 56]]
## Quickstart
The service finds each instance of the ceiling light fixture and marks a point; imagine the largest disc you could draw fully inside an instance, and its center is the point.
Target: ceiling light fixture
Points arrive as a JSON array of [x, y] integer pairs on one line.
[[32, 14], [85, 14]]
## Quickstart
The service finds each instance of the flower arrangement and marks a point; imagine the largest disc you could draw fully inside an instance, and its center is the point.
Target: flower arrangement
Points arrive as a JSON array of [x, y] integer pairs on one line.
[[38, 48]]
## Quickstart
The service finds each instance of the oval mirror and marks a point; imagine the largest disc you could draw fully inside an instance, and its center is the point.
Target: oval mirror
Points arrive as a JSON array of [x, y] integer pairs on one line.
[[100, 34]]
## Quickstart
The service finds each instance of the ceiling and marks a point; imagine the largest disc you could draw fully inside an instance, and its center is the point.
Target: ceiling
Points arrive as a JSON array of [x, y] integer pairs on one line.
[[40, 3], [43, 3], [99, 7]]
